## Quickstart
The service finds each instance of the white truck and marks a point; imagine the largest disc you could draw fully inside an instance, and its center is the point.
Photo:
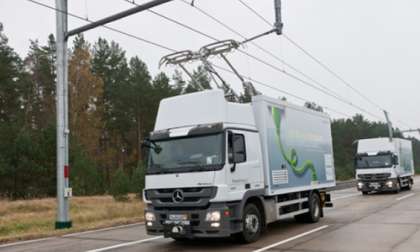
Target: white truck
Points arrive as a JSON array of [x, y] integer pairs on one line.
[[384, 165], [218, 169]]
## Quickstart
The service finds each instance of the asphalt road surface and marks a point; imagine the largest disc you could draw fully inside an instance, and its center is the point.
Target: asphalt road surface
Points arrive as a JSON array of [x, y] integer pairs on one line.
[[379, 222]]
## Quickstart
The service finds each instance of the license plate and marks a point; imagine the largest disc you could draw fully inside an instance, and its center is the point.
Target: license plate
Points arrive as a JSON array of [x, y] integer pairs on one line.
[[375, 185], [173, 223], [178, 217]]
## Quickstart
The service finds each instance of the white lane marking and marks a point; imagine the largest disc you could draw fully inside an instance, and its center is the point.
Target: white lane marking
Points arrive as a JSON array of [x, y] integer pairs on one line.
[[290, 239], [125, 244], [346, 196], [103, 229], [404, 197], [68, 235], [25, 242]]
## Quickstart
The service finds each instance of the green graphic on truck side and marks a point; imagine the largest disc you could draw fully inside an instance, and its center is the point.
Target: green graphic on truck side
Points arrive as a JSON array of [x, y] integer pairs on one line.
[[291, 156]]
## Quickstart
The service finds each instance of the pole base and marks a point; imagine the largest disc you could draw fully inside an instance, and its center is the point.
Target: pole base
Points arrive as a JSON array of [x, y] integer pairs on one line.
[[63, 224]]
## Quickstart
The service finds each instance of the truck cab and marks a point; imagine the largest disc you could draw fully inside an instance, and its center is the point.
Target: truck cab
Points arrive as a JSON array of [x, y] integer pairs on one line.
[[384, 165], [203, 161]]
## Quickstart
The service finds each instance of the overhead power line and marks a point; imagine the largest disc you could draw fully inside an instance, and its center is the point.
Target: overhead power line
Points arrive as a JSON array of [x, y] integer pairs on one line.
[[261, 48], [162, 47], [328, 69], [306, 52], [105, 26], [323, 88], [318, 61], [332, 93], [158, 45], [256, 13]]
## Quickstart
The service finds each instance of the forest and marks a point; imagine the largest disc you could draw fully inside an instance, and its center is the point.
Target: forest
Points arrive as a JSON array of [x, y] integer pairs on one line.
[[113, 101]]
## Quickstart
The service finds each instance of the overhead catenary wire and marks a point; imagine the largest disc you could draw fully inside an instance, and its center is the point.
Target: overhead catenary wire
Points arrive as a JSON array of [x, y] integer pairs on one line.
[[318, 61], [161, 47], [265, 50], [106, 27], [328, 69], [261, 48], [324, 89], [331, 93], [158, 45]]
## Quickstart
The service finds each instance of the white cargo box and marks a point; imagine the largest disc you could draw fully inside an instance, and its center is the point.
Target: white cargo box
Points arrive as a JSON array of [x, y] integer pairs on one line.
[[296, 145]]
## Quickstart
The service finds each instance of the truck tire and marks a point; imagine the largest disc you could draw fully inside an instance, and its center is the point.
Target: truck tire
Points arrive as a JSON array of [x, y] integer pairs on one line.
[[314, 206], [409, 185], [398, 189], [251, 224], [365, 192]]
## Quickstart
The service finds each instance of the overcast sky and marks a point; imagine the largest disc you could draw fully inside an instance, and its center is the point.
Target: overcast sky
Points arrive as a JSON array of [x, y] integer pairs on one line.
[[372, 44]]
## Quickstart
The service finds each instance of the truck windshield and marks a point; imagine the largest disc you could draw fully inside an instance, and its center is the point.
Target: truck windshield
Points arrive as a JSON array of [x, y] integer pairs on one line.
[[187, 154], [379, 161]]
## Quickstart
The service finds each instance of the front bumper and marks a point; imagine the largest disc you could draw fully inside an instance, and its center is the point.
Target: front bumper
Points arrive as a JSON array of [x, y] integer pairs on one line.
[[196, 225], [377, 186]]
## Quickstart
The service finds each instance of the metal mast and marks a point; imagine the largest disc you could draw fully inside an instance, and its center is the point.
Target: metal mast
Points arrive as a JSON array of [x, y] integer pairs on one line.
[[64, 191], [63, 219]]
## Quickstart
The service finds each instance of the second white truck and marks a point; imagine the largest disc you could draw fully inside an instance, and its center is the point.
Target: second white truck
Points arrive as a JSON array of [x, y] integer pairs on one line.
[[218, 169], [384, 165]]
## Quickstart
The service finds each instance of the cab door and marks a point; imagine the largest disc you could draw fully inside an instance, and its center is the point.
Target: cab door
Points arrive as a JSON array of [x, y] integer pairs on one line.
[[245, 171]]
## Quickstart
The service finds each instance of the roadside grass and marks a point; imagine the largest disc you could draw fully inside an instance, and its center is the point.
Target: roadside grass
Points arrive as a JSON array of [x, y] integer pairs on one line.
[[30, 219]]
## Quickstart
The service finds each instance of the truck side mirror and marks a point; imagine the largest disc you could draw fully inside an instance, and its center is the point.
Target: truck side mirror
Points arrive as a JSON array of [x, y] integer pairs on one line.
[[146, 144], [395, 160]]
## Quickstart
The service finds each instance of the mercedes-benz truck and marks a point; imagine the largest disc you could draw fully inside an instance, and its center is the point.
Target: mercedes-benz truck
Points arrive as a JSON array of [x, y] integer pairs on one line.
[[221, 169], [384, 164]]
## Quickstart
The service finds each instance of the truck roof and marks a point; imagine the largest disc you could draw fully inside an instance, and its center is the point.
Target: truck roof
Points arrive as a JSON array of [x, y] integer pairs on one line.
[[374, 145], [210, 106], [204, 107]]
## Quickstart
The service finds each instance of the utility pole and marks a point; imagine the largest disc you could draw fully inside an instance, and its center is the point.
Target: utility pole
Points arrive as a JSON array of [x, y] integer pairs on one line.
[[279, 23], [390, 131], [64, 192]]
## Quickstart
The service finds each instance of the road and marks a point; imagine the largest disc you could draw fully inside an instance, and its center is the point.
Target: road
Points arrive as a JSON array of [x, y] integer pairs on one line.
[[379, 222]]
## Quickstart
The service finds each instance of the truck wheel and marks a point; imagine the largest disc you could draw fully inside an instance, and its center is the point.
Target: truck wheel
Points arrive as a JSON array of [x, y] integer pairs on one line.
[[365, 192], [398, 189], [314, 206], [409, 185], [251, 224]]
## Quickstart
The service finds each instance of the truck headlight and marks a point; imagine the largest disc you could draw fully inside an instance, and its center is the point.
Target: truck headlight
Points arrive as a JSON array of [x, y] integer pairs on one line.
[[149, 216], [213, 216], [360, 185], [390, 184]]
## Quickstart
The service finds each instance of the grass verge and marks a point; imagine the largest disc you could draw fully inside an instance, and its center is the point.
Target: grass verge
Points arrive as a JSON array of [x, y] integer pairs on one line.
[[30, 219]]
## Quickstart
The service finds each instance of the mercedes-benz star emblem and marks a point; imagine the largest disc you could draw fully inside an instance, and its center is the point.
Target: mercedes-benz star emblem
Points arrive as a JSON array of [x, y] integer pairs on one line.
[[177, 196]]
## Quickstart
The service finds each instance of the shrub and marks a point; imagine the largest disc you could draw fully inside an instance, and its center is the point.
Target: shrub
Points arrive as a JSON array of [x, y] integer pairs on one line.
[[137, 180], [120, 186]]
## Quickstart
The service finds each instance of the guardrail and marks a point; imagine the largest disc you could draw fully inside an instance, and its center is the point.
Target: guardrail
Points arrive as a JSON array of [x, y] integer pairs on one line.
[[344, 185]]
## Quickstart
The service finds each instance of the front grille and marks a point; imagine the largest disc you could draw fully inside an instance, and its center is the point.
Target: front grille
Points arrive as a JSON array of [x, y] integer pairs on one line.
[[192, 197], [374, 176]]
